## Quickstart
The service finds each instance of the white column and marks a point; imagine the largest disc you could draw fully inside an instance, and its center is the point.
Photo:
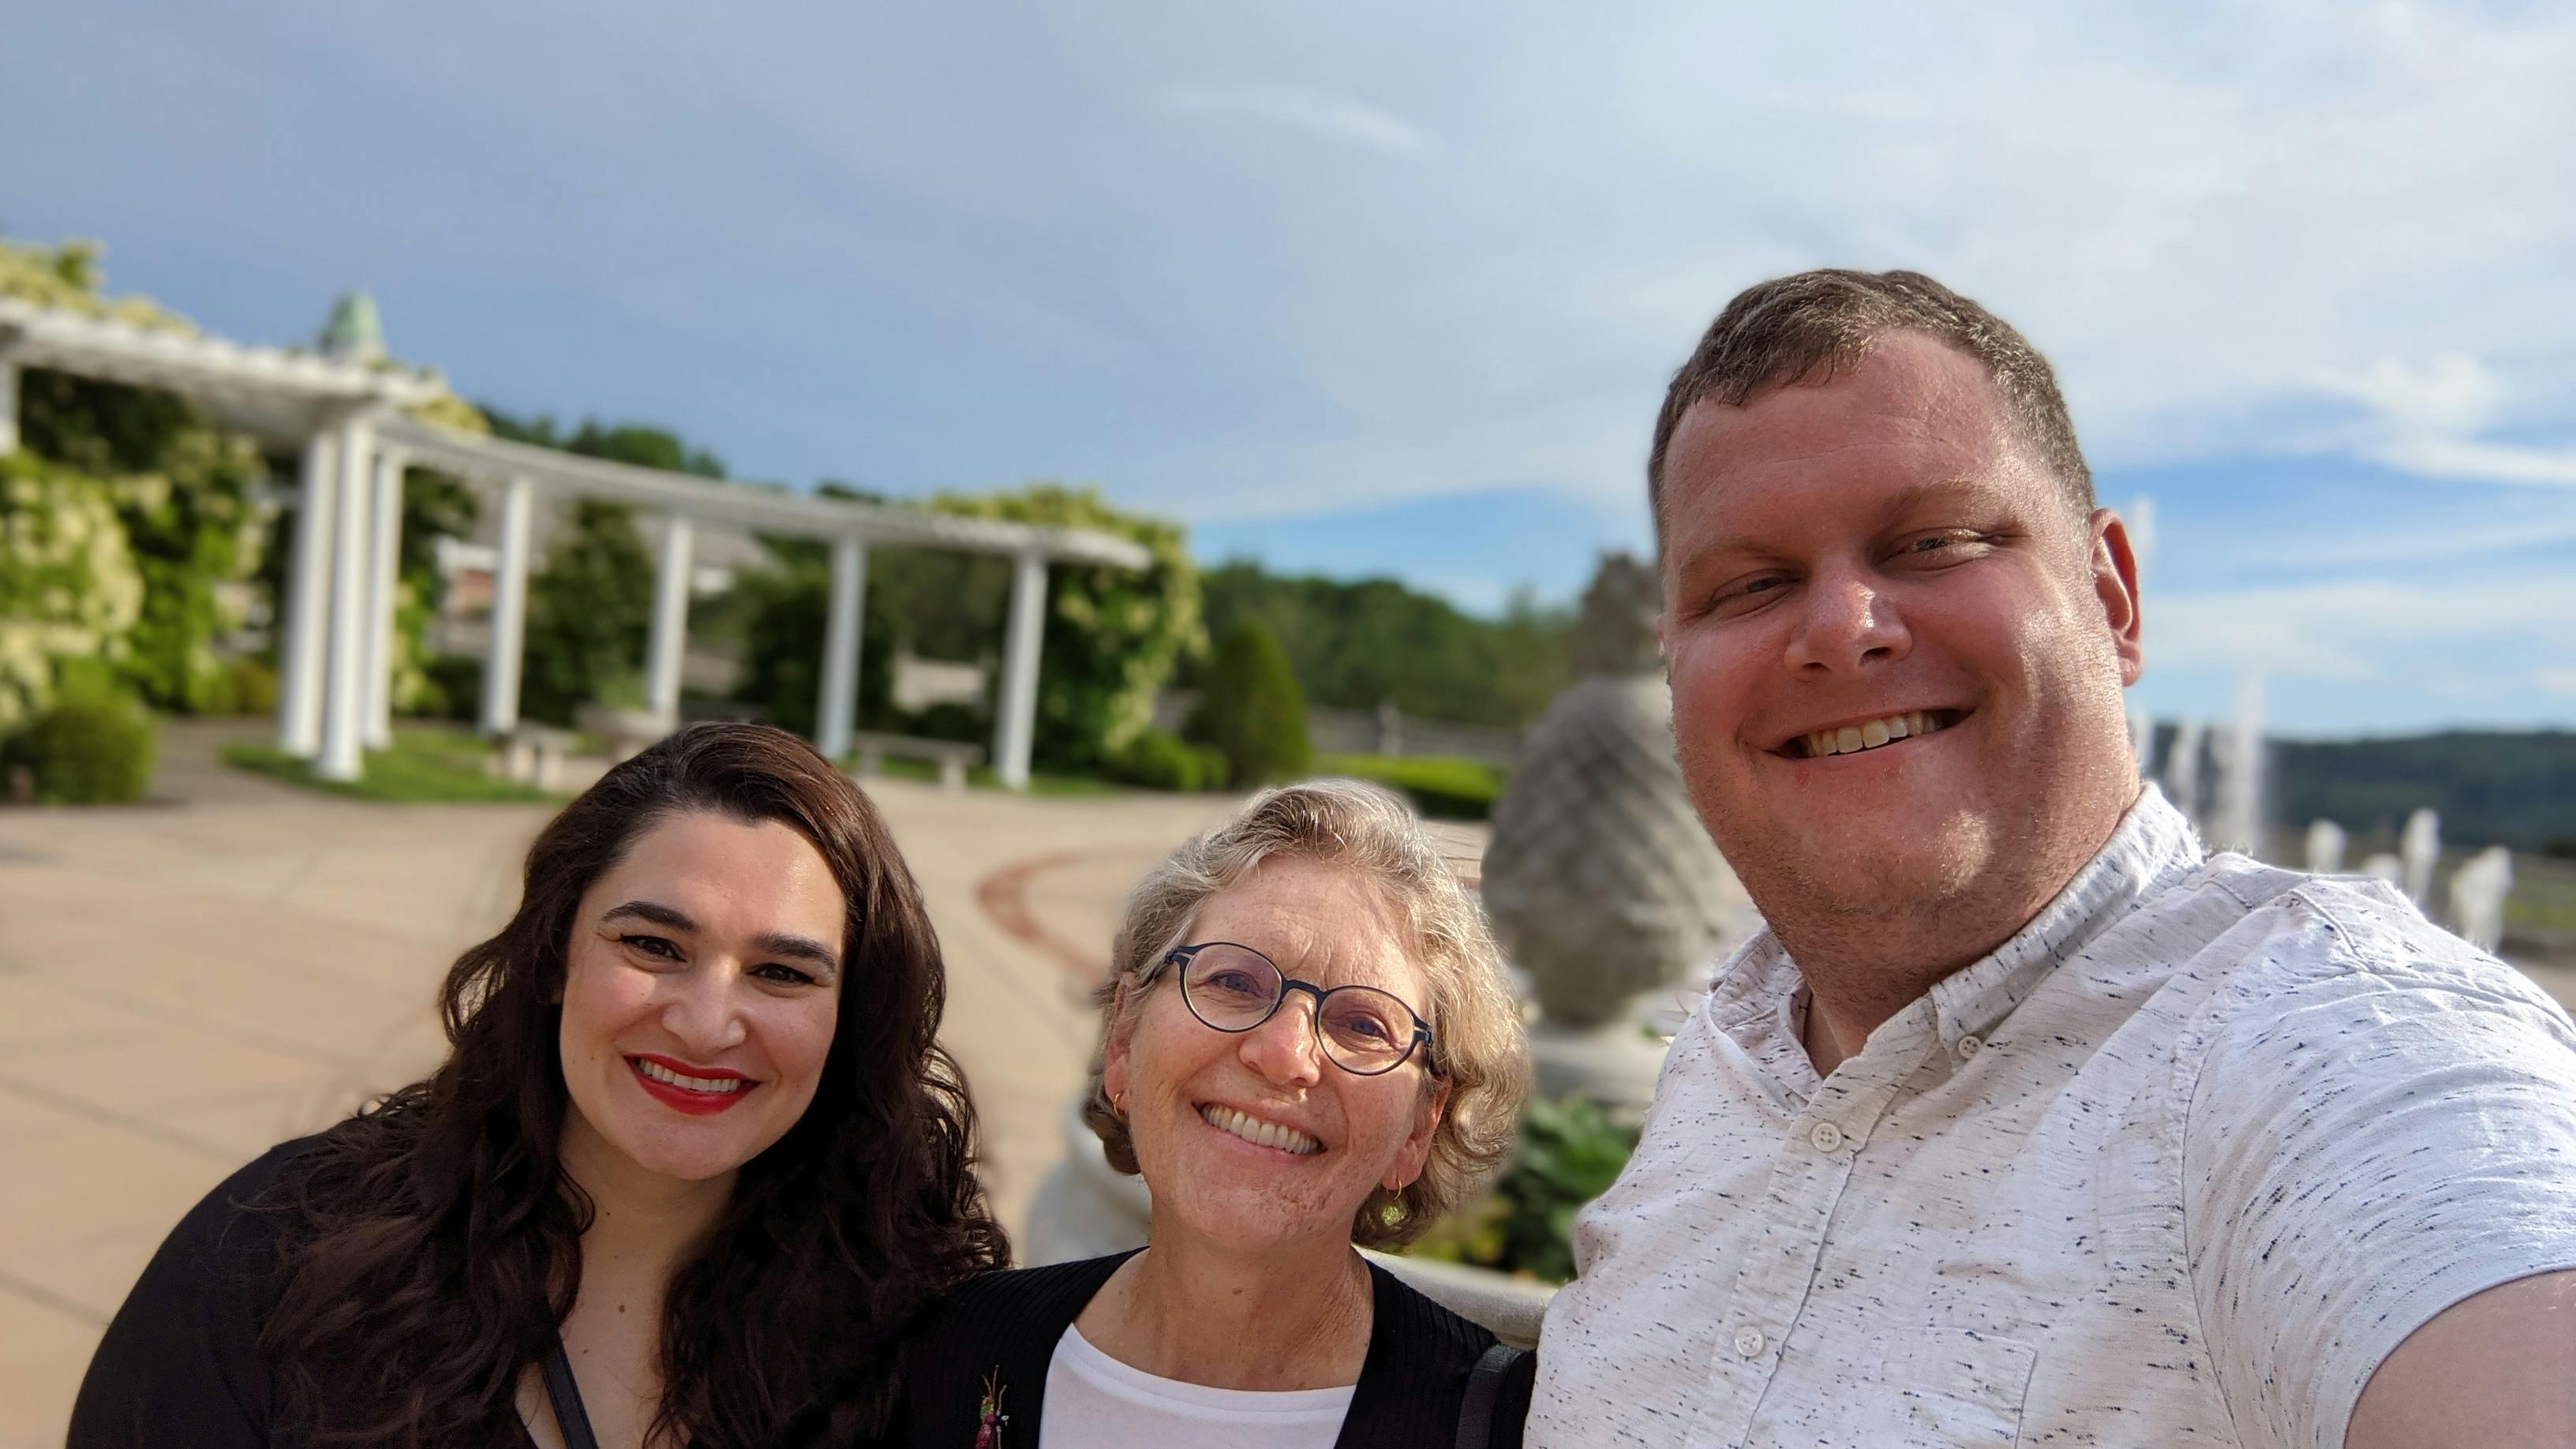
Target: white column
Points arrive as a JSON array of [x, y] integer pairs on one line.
[[384, 584], [344, 688], [303, 611], [509, 611], [670, 621], [8, 406], [834, 711], [1016, 726]]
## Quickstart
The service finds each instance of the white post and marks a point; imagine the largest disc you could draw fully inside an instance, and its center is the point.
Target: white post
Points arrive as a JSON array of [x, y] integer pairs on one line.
[[670, 622], [509, 611], [344, 687], [304, 620], [838, 705], [384, 584], [1016, 728], [8, 406]]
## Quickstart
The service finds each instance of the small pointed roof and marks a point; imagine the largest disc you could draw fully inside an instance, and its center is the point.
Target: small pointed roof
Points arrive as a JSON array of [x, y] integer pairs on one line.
[[354, 332]]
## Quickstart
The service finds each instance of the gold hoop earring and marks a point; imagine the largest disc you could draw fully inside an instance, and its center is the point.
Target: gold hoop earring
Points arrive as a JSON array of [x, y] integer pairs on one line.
[[1118, 1106]]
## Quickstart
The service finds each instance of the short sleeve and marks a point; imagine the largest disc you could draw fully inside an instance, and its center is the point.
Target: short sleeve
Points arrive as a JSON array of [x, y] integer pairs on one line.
[[180, 1361], [2383, 1124]]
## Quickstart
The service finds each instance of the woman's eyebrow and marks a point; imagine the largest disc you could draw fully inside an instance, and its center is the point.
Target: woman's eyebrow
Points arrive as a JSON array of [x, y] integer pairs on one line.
[[767, 943], [654, 911], [798, 948]]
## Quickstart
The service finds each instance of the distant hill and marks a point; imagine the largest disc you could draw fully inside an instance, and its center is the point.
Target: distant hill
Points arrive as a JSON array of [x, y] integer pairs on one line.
[[1354, 644], [2513, 789]]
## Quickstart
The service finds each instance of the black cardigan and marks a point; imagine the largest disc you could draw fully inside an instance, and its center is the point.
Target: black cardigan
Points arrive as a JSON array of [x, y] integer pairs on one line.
[[1003, 1327]]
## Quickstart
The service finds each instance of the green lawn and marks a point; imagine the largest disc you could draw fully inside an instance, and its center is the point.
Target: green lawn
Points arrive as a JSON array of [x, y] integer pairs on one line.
[[428, 763], [1443, 787], [980, 777]]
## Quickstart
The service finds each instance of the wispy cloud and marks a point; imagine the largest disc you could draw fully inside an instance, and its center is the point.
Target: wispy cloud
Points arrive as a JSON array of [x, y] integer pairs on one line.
[[1317, 113], [2350, 629], [2428, 418]]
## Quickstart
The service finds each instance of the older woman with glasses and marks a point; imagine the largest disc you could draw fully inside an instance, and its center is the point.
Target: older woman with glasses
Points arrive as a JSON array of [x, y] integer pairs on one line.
[[1307, 1043]]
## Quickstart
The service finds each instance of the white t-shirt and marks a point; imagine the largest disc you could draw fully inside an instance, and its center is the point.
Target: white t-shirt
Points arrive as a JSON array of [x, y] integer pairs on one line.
[[2180, 1163], [1095, 1402]]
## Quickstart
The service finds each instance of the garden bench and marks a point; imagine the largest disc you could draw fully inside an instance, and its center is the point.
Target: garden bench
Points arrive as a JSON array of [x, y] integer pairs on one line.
[[952, 757], [533, 754]]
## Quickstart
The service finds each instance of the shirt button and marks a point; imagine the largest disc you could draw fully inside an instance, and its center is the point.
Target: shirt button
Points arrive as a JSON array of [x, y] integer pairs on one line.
[[1969, 1046], [1827, 1137], [1748, 1342]]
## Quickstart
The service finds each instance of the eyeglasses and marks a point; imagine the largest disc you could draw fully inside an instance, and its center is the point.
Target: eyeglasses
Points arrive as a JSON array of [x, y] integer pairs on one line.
[[1364, 1031]]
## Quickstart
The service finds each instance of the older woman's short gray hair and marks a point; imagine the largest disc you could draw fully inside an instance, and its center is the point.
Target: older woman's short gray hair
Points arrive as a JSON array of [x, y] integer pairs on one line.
[[1479, 1049]]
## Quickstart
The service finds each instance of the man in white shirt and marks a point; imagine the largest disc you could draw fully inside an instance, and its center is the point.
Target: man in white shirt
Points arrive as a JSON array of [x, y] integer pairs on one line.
[[2024, 1122]]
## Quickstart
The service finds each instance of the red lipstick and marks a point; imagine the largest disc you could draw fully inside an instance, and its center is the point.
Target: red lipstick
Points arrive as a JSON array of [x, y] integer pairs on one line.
[[692, 1100]]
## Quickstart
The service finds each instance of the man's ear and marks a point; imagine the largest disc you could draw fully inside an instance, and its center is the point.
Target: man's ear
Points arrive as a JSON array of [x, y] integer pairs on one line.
[[2115, 584]]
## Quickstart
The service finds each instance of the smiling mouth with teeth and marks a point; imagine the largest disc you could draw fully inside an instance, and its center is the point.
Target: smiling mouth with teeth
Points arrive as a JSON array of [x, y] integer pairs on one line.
[[1258, 1132], [652, 1070], [1887, 730]]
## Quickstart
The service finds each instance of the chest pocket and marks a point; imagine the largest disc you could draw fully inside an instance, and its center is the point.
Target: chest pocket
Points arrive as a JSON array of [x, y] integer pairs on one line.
[[1952, 1386]]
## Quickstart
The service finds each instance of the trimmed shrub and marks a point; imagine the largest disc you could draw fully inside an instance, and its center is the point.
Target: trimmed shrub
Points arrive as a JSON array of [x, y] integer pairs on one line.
[[1252, 711], [93, 745], [451, 687], [1161, 760], [249, 686], [1443, 787]]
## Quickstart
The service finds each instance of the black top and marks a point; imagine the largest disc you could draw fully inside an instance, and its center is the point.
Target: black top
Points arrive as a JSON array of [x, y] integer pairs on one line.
[[1002, 1329], [180, 1363]]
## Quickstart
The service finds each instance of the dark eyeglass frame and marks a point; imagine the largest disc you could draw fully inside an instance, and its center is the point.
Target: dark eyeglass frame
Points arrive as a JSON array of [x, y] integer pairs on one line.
[[1180, 956]]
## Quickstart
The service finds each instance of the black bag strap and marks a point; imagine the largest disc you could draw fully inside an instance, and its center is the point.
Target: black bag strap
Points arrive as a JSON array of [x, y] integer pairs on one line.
[[571, 1419], [1484, 1385]]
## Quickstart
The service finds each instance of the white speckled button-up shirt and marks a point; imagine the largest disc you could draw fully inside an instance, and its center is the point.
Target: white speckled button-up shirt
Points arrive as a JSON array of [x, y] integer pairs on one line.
[[2180, 1163]]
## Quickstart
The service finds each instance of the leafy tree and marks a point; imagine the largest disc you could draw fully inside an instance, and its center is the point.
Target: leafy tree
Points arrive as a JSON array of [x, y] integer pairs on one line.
[[588, 610], [1113, 635], [1251, 710], [1355, 644], [183, 494], [785, 612], [642, 444], [69, 586]]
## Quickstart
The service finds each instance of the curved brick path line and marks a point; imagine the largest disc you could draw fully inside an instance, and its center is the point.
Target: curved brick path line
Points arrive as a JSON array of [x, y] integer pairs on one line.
[[1003, 896]]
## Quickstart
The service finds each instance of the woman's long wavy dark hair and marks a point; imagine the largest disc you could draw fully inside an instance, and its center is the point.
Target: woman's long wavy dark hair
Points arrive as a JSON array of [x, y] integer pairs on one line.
[[434, 1243]]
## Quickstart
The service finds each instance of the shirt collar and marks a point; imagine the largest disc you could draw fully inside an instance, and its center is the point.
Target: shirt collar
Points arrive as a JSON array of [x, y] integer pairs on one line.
[[2153, 847]]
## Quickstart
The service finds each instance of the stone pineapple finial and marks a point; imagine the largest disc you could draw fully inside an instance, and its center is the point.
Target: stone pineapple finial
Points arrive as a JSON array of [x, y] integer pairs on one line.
[[1601, 883]]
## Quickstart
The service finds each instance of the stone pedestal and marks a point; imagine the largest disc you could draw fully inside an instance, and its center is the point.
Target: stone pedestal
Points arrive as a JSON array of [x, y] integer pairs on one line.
[[1084, 1207], [1614, 1063]]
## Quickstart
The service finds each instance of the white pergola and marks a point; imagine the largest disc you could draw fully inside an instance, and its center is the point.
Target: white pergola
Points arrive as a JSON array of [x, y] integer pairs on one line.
[[336, 618]]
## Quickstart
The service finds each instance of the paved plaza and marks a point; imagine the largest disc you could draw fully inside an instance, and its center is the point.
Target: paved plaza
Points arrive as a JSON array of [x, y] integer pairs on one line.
[[185, 983]]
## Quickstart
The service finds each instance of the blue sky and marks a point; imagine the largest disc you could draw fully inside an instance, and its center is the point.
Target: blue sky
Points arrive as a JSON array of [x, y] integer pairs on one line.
[[1371, 289]]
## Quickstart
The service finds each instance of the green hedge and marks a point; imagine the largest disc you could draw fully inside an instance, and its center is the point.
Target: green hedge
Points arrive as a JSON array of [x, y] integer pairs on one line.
[[1444, 787], [93, 745], [1251, 711], [1160, 760]]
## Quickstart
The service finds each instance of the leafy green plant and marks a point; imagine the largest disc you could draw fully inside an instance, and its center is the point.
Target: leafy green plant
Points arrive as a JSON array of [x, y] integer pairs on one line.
[[69, 586], [1161, 760], [1113, 635], [1251, 710], [1570, 1152], [1444, 787], [94, 745], [588, 610]]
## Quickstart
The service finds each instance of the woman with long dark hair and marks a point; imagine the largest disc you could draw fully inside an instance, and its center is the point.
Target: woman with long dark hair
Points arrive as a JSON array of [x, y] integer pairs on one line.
[[695, 1158]]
